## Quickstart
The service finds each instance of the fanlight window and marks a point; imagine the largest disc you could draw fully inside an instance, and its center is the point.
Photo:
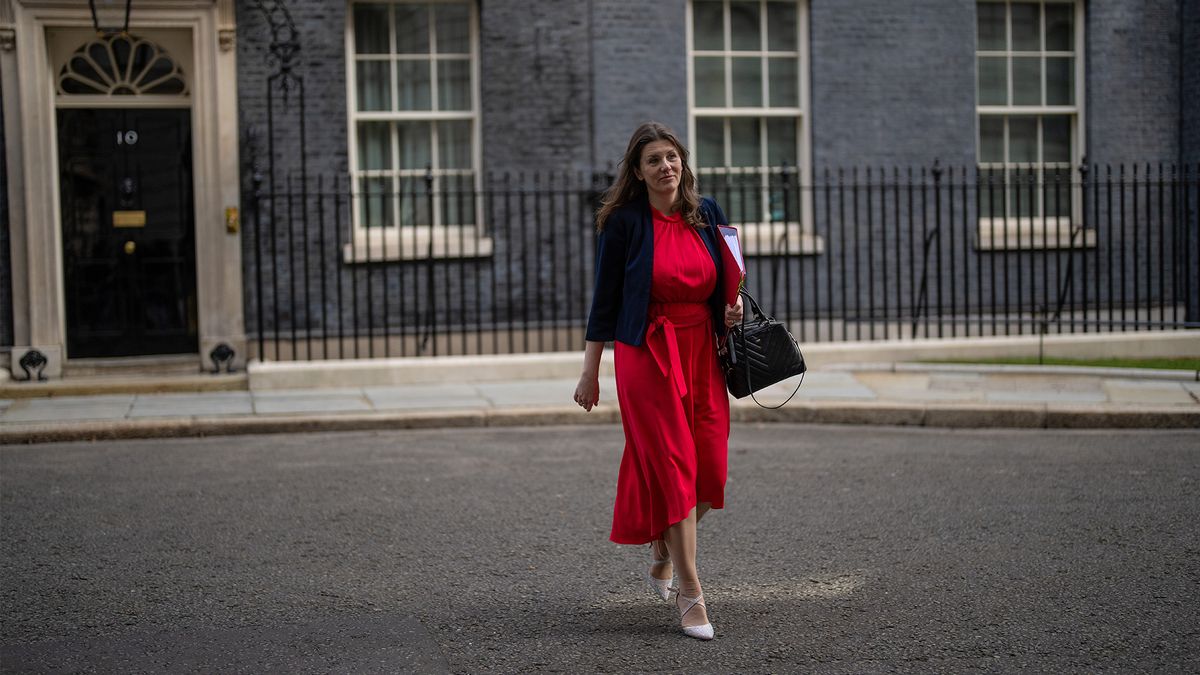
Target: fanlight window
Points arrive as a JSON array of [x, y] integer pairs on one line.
[[121, 65]]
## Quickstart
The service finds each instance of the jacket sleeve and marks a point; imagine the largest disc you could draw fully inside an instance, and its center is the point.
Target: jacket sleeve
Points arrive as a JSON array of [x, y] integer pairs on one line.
[[612, 248]]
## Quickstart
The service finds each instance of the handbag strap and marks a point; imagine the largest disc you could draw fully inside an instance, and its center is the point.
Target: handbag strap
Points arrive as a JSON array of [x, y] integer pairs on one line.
[[759, 313]]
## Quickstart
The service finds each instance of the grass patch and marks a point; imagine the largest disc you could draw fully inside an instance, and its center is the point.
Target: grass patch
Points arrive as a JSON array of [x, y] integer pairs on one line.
[[1157, 364]]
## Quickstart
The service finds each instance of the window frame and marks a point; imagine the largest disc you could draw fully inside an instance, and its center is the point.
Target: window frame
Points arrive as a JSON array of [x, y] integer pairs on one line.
[[760, 237], [420, 240], [1015, 232]]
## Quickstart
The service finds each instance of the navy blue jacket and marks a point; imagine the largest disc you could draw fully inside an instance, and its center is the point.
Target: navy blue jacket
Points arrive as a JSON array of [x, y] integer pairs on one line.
[[625, 265]]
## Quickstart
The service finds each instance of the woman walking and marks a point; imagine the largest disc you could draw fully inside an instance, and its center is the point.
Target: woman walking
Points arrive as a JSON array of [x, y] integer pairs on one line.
[[659, 297]]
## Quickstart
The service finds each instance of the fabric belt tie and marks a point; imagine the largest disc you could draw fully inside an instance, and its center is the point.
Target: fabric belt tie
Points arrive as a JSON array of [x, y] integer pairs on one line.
[[663, 342]]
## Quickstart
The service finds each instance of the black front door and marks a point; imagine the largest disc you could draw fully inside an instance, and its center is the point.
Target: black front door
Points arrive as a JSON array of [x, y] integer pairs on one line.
[[129, 255]]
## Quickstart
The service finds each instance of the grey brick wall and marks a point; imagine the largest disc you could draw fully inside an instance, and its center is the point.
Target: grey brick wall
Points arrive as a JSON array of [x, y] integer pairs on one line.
[[536, 85], [321, 64], [1190, 130], [6, 318], [639, 71], [893, 82], [564, 83], [1132, 84], [1190, 30]]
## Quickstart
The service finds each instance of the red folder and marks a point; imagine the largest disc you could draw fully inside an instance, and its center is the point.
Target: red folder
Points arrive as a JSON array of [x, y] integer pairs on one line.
[[732, 263]]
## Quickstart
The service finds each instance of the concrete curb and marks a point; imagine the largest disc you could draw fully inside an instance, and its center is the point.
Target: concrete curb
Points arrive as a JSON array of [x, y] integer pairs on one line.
[[939, 416]]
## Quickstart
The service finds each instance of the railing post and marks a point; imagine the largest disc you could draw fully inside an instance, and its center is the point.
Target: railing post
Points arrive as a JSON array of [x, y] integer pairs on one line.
[[430, 292]]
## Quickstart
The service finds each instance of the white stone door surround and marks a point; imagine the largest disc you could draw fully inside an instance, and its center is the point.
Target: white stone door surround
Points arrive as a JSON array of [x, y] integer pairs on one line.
[[27, 70]]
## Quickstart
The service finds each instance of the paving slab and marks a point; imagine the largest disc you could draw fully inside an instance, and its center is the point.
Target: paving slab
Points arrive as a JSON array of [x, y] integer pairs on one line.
[[425, 397], [68, 408], [311, 401], [1193, 388], [556, 392], [191, 405], [969, 382], [823, 385], [917, 387], [1033, 395], [1148, 392]]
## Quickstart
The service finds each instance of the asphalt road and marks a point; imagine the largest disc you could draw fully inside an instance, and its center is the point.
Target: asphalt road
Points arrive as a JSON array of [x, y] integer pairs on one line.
[[840, 550]]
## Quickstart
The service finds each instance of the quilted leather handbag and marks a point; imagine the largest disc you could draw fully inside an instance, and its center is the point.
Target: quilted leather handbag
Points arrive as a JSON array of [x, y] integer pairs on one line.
[[759, 353]]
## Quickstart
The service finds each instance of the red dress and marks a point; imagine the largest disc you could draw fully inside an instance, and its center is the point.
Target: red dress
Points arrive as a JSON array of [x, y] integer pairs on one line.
[[671, 392]]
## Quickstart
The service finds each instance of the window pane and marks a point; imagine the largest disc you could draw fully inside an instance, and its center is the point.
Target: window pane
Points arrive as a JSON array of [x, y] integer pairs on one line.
[[1056, 138], [1058, 192], [375, 203], [371, 29], [747, 82], [1027, 80], [744, 197], [1022, 139], [1060, 32], [413, 85], [781, 26], [414, 202], [781, 141], [993, 80], [454, 85], [374, 92], [744, 145], [374, 145], [991, 193], [414, 144], [412, 29], [453, 26], [710, 141], [1060, 81], [710, 82], [991, 139], [458, 200], [991, 26], [708, 25], [1023, 192], [454, 145], [744, 26], [784, 82], [1026, 27]]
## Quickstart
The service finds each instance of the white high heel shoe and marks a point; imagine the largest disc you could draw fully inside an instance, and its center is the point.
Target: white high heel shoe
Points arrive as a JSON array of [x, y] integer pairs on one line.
[[701, 632], [661, 587]]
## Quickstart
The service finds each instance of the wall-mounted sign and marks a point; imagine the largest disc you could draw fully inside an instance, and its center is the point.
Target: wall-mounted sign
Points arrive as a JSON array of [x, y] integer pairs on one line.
[[129, 218]]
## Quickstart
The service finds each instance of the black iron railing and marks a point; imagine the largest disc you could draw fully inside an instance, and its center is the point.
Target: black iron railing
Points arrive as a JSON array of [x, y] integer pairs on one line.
[[346, 268]]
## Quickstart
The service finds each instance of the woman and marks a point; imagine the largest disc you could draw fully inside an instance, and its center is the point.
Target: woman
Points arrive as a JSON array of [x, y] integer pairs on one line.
[[658, 298]]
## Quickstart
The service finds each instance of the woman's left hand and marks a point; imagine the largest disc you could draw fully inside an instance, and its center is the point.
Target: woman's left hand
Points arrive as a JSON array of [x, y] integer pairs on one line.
[[733, 313]]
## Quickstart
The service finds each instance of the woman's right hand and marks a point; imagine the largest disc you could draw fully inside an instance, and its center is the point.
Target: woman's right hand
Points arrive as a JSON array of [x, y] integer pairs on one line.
[[587, 393]]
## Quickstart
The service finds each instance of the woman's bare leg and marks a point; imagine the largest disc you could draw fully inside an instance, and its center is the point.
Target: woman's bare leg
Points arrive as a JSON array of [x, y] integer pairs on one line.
[[660, 567], [681, 540], [660, 563]]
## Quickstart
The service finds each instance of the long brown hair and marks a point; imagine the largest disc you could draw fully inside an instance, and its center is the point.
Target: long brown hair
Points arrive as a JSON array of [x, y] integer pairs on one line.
[[627, 188]]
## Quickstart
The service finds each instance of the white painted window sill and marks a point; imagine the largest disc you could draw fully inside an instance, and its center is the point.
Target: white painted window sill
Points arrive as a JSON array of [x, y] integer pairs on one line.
[[446, 242], [1032, 234], [766, 239]]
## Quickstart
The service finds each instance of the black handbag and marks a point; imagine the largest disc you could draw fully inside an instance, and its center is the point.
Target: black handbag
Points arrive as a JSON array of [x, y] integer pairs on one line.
[[759, 353]]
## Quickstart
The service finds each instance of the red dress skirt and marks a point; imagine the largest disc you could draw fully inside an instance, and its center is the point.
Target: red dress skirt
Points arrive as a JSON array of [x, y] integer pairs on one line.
[[671, 392]]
